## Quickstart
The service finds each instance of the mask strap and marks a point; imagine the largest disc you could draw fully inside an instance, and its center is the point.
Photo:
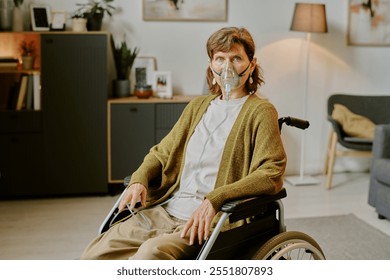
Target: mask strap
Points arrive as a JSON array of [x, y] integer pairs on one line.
[[240, 74], [219, 74]]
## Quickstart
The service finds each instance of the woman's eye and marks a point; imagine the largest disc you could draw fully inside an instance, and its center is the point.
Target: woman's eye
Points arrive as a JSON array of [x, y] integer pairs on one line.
[[219, 60], [236, 59]]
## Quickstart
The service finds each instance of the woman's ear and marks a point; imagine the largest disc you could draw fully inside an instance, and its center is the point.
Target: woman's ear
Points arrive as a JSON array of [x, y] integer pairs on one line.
[[253, 62]]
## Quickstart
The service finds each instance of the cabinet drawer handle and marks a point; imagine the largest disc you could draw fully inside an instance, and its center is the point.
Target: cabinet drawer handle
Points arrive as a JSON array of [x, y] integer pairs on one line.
[[133, 109]]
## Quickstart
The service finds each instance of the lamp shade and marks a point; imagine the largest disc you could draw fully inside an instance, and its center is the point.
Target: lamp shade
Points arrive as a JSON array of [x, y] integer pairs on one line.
[[309, 18]]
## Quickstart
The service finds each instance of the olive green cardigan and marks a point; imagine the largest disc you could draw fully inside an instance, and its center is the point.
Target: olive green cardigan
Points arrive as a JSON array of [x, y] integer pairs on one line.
[[253, 160]]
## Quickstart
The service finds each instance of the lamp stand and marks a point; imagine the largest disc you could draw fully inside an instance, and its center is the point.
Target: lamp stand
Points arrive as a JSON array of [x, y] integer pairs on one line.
[[303, 180]]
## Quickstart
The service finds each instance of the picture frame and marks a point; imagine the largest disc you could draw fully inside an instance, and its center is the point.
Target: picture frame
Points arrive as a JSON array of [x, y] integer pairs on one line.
[[162, 84], [40, 17], [58, 20], [149, 63], [182, 10], [368, 23]]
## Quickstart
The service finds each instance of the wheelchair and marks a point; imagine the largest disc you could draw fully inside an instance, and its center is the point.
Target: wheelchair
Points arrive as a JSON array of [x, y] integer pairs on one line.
[[263, 235]]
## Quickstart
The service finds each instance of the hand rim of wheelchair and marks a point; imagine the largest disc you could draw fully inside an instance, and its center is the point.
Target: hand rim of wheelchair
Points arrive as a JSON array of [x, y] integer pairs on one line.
[[284, 243]]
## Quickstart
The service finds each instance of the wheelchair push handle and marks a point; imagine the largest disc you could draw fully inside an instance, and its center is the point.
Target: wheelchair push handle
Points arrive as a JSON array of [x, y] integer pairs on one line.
[[290, 121]]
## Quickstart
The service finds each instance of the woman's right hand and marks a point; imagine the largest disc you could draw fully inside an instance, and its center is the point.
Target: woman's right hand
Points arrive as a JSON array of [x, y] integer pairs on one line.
[[133, 194]]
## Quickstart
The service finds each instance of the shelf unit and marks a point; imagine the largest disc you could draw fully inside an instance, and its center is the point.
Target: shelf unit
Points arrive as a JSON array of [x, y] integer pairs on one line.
[[60, 149]]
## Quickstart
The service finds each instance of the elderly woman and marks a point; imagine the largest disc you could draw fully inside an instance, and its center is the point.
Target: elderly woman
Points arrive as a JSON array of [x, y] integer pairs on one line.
[[225, 146]]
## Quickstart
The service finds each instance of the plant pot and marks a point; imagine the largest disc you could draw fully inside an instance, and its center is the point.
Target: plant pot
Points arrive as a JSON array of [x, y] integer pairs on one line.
[[94, 22], [17, 20], [6, 11], [79, 25], [121, 88], [28, 62]]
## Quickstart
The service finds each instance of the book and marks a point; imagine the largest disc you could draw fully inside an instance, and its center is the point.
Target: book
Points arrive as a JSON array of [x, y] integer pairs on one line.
[[13, 96], [22, 93], [30, 92], [8, 62], [36, 92]]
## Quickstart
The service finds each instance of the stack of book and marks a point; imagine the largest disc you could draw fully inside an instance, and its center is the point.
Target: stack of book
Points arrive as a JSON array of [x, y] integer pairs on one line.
[[25, 94], [9, 62]]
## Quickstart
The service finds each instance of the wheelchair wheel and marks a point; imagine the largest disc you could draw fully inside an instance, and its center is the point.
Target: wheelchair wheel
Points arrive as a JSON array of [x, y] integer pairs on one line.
[[290, 245]]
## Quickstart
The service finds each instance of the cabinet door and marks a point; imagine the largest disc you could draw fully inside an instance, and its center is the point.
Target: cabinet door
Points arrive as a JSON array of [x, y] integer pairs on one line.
[[74, 105], [132, 135], [166, 117], [21, 165]]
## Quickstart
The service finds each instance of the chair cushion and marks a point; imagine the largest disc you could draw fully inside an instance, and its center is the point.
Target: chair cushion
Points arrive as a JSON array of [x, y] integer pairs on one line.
[[353, 124], [382, 170]]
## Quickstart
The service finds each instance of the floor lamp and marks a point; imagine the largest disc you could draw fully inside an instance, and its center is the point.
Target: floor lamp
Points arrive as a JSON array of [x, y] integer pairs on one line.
[[307, 18]]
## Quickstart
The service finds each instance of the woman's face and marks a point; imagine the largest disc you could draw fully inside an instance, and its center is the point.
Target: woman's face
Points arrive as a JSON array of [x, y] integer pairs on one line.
[[237, 58]]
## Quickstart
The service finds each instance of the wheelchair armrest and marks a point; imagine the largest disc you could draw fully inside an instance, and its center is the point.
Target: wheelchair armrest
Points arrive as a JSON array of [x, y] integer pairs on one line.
[[248, 207]]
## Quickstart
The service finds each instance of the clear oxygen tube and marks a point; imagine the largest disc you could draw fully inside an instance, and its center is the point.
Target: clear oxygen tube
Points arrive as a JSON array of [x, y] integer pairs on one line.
[[229, 79]]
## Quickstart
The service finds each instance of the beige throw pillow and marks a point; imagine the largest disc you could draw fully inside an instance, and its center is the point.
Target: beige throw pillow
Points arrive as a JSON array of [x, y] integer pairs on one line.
[[353, 124]]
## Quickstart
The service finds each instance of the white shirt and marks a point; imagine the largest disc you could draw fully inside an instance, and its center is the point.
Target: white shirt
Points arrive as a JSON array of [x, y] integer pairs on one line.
[[203, 156]]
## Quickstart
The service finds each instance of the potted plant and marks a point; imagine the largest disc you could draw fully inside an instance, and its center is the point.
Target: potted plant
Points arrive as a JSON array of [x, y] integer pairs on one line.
[[124, 58], [94, 12], [79, 22], [27, 52]]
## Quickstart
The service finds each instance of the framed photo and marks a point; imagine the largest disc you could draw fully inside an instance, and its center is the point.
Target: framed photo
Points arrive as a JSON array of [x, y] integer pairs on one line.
[[369, 23], [184, 10], [58, 20], [142, 71], [40, 17], [162, 84]]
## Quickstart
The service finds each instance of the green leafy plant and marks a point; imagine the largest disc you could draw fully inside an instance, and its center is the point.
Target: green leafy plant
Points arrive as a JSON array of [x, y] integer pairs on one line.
[[95, 7], [27, 48], [18, 2], [124, 58]]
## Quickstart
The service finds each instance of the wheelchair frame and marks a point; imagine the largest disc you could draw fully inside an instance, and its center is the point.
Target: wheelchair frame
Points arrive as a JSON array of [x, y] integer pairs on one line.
[[263, 234]]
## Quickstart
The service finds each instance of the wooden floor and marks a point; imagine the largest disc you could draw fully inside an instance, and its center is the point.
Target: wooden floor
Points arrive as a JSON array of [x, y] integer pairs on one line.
[[60, 228]]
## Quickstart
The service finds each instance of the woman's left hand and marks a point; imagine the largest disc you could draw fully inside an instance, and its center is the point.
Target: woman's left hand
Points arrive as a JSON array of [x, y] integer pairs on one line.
[[198, 226]]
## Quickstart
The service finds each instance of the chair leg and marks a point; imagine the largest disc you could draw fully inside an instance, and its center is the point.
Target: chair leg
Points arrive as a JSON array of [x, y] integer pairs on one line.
[[325, 171], [331, 160]]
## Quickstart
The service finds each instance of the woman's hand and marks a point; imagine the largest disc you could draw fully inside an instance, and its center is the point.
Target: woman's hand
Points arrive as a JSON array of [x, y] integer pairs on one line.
[[198, 226], [134, 193]]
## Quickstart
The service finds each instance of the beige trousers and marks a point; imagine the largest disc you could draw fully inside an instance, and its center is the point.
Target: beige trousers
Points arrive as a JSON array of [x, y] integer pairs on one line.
[[157, 238]]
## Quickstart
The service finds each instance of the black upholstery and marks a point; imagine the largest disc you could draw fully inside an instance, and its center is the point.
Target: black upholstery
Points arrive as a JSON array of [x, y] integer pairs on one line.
[[376, 108]]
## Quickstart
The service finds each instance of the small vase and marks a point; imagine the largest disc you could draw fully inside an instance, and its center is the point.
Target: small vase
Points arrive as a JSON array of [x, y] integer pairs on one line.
[[121, 88], [143, 91], [79, 25], [6, 11], [27, 62], [17, 20]]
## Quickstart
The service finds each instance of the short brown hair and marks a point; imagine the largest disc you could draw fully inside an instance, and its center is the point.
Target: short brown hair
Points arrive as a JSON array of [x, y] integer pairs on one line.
[[223, 41]]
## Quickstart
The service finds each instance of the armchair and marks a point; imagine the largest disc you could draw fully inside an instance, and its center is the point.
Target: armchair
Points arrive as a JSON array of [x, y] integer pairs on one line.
[[379, 190], [375, 108]]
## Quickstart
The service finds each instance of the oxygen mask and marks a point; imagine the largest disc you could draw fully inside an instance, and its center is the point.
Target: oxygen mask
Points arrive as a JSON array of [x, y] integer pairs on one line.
[[230, 79]]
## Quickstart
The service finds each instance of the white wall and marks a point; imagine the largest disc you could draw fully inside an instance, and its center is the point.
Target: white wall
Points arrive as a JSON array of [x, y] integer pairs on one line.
[[334, 66]]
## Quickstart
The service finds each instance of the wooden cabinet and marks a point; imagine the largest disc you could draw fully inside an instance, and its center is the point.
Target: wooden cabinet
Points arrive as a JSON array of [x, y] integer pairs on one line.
[[135, 125], [20, 153]]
